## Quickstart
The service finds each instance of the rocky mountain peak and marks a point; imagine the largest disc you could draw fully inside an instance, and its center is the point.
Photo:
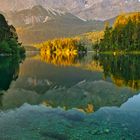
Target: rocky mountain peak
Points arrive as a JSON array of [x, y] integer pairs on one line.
[[85, 9]]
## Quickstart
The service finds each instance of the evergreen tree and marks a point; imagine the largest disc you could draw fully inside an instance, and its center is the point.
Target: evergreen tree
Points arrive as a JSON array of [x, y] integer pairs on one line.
[[123, 36], [9, 39]]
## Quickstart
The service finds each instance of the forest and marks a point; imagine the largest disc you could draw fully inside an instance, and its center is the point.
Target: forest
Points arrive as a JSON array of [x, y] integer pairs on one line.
[[123, 36], [62, 46], [9, 44]]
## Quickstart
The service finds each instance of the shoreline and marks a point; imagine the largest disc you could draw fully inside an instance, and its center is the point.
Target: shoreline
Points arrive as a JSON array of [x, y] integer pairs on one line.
[[120, 53]]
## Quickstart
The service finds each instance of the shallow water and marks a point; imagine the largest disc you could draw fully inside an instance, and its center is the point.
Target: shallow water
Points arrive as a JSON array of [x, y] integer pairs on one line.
[[70, 98]]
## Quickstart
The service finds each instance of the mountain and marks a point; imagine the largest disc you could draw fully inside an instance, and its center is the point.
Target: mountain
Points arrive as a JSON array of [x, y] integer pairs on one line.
[[86, 9], [107, 9], [35, 15], [39, 20], [39, 24], [16, 5]]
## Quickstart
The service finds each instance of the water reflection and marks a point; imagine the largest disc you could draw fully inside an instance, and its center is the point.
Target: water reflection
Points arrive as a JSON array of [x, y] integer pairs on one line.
[[81, 60], [9, 70], [123, 69], [73, 102], [67, 59], [87, 96], [45, 83], [40, 122]]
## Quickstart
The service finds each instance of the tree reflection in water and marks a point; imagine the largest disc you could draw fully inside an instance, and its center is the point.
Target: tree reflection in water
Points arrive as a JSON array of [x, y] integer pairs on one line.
[[67, 59], [123, 69], [86, 94], [9, 71]]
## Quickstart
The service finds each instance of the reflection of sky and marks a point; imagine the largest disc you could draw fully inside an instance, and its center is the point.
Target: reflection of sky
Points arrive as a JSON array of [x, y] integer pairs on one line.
[[132, 104]]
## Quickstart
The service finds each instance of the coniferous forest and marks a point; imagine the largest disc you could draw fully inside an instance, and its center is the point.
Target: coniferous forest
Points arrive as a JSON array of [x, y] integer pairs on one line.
[[9, 44], [124, 35]]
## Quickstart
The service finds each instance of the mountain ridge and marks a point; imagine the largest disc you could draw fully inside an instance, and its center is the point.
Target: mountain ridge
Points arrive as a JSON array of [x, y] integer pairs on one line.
[[38, 24], [85, 9]]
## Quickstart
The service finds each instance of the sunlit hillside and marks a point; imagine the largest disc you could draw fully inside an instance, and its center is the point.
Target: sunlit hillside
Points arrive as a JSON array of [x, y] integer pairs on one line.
[[87, 39], [123, 19], [93, 36]]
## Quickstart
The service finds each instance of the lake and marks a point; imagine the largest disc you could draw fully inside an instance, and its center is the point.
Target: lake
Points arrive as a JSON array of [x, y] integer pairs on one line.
[[81, 97]]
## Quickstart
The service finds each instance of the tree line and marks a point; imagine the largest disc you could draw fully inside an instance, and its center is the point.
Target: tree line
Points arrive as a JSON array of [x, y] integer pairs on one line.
[[124, 35], [62, 46], [9, 39]]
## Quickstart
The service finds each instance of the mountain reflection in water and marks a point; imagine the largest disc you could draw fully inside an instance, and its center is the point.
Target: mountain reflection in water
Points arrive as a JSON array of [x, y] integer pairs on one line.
[[88, 79], [55, 97], [40, 122]]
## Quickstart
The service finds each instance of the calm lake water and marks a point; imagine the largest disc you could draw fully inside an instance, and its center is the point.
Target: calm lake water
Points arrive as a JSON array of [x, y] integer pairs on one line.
[[70, 97]]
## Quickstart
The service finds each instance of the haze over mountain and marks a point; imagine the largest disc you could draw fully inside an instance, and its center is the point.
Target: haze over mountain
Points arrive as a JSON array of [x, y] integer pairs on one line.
[[87, 9], [38, 24], [39, 20]]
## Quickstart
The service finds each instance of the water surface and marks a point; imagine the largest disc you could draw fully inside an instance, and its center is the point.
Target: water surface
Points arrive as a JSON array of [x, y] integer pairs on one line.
[[71, 98]]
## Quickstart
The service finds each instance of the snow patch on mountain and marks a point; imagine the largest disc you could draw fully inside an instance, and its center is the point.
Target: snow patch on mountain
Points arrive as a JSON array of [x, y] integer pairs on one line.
[[85, 9]]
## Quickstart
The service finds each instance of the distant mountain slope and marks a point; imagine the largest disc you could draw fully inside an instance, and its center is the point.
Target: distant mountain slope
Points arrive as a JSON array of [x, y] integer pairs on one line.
[[38, 24], [55, 29], [38, 20], [106, 9], [87, 9], [35, 15]]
